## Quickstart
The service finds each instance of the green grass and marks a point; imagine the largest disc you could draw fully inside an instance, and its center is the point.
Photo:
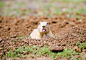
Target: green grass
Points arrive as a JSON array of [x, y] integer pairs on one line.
[[56, 36], [47, 9], [71, 0], [22, 37], [57, 11], [2, 4], [32, 50], [79, 17], [40, 51], [81, 45], [81, 10], [68, 53], [15, 40], [80, 36]]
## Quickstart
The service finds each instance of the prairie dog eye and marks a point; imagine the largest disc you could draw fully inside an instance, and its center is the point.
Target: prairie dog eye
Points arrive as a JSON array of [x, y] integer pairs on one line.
[[47, 23]]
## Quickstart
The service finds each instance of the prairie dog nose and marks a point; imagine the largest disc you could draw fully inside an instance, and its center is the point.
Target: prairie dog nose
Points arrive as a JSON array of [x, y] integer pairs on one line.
[[43, 26]]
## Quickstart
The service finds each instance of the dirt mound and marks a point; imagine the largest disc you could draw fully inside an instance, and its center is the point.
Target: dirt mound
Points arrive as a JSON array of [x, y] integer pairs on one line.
[[68, 31], [10, 26]]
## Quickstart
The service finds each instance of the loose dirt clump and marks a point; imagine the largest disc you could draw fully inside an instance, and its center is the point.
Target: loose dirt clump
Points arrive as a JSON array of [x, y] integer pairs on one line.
[[76, 48], [56, 48]]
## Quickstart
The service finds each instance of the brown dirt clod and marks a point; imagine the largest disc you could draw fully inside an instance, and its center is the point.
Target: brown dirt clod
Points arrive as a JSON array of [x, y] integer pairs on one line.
[[76, 48], [56, 48]]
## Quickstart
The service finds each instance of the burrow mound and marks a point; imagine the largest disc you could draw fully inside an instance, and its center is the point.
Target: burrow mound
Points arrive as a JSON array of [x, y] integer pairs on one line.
[[11, 27], [66, 39], [68, 31]]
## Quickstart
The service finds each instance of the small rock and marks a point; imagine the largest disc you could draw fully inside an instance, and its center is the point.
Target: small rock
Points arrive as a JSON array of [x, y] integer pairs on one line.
[[25, 52], [76, 48], [56, 48]]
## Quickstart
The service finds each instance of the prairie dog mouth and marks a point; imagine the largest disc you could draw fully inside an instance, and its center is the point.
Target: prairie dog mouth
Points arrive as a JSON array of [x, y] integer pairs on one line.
[[43, 30]]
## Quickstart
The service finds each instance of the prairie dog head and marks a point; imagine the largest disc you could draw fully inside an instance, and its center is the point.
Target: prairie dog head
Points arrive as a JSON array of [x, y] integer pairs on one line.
[[43, 27]]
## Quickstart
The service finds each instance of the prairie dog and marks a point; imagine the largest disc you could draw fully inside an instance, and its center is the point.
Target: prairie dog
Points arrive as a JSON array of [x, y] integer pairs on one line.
[[42, 31]]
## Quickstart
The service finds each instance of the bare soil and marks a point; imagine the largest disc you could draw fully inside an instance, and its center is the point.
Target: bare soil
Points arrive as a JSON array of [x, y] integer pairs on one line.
[[67, 29]]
